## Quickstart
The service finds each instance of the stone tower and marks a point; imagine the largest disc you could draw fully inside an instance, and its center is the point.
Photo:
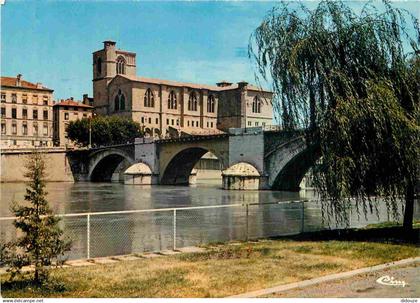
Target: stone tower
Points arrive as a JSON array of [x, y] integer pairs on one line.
[[107, 63]]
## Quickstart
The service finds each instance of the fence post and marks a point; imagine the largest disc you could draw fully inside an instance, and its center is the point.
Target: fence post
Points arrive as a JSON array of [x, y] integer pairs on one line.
[[247, 221], [302, 217], [350, 216], [88, 236], [174, 246]]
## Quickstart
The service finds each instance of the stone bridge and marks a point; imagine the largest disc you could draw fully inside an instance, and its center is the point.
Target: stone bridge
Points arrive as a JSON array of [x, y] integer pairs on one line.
[[250, 159]]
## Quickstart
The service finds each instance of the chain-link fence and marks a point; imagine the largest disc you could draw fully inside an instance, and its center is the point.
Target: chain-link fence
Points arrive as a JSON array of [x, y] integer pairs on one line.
[[100, 234]]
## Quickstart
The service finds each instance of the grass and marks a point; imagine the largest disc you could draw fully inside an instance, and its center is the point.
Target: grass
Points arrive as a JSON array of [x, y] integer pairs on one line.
[[221, 271]]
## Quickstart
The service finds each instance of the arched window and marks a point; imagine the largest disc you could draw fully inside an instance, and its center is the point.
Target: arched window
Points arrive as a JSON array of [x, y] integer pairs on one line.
[[99, 66], [120, 65], [122, 103], [210, 104], [149, 99], [119, 101], [256, 105], [172, 100], [192, 102]]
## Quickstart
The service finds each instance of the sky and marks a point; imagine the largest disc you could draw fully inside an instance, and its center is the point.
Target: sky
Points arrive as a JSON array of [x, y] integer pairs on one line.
[[202, 42]]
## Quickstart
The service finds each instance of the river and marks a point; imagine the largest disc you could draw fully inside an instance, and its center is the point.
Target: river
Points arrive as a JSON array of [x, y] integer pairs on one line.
[[92, 197], [116, 234]]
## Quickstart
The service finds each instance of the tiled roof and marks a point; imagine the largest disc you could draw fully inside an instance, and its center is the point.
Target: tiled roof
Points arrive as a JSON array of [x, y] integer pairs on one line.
[[191, 85], [170, 82], [11, 81], [201, 131], [73, 103], [249, 87]]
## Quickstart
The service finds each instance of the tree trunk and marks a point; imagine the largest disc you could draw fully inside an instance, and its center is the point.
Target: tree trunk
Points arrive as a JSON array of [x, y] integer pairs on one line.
[[36, 275], [409, 208]]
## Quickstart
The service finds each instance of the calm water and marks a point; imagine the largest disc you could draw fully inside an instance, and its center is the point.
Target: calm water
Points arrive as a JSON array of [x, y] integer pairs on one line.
[[117, 234], [91, 197]]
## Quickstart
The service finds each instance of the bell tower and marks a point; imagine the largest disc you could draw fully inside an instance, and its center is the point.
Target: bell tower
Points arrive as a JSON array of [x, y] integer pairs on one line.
[[107, 63]]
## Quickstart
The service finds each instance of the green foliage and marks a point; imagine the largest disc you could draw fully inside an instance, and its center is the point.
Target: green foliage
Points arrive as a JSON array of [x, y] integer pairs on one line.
[[42, 241], [106, 130], [352, 81], [370, 149]]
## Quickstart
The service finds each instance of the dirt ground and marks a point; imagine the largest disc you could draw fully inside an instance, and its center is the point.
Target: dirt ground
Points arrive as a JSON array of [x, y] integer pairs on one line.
[[364, 286]]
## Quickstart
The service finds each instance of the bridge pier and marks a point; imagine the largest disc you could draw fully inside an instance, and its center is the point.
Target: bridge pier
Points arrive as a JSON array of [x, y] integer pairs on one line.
[[241, 176], [139, 174], [193, 177]]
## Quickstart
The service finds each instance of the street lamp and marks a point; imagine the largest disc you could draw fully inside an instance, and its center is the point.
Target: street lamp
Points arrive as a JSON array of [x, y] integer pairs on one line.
[[90, 130]]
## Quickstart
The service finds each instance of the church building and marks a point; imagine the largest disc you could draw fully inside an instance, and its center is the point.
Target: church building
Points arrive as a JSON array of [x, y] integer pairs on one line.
[[167, 108]]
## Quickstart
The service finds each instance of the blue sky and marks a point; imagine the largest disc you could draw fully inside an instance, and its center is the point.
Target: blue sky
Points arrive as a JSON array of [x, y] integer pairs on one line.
[[204, 42]]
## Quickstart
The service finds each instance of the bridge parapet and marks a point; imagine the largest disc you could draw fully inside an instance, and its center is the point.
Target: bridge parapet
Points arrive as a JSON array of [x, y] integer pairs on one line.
[[33, 150]]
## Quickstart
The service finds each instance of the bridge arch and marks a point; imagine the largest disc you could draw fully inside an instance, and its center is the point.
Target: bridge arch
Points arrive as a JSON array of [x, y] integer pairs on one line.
[[177, 168], [109, 165], [289, 162]]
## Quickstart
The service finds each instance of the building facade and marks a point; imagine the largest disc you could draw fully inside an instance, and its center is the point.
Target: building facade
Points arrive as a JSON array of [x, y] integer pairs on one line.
[[243, 105], [26, 113], [165, 108], [64, 112]]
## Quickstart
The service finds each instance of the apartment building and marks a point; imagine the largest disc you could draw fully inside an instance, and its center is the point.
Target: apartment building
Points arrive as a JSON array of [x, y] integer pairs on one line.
[[64, 112], [26, 113]]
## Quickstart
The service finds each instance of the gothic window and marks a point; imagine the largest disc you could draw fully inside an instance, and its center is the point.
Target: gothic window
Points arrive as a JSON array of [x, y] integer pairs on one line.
[[149, 99], [99, 66], [120, 65], [172, 100], [119, 101], [256, 105], [192, 102], [210, 104]]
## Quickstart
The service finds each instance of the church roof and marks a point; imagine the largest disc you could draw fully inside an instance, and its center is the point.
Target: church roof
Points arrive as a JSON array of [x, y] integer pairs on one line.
[[11, 82], [190, 85]]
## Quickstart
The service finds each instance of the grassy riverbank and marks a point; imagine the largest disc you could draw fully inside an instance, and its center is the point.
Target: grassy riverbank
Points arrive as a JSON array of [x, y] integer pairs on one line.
[[221, 271]]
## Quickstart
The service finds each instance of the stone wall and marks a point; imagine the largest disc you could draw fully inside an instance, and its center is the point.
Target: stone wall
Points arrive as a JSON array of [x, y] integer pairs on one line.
[[57, 166]]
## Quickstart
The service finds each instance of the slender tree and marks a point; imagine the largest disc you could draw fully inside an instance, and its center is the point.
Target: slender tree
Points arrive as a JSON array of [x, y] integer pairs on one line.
[[42, 240], [352, 80]]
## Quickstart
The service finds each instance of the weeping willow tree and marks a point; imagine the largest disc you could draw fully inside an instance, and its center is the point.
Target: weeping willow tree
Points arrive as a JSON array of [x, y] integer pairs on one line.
[[352, 80]]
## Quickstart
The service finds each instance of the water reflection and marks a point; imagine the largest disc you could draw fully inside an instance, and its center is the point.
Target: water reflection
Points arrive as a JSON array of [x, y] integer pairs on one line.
[[114, 234], [92, 197]]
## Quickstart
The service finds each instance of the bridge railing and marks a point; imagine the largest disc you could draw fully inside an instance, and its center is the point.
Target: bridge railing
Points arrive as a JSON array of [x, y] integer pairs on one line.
[[100, 234]]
